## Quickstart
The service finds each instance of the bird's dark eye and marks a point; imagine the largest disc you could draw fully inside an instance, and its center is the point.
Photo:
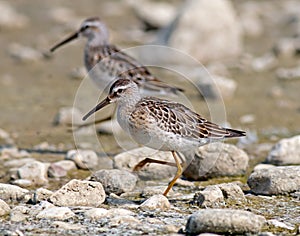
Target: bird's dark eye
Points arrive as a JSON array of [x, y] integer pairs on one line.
[[120, 90], [84, 27]]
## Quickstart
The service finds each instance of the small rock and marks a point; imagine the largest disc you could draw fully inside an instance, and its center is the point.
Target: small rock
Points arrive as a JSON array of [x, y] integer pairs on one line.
[[209, 197], [277, 180], [154, 14], [224, 221], [10, 18], [19, 213], [232, 191], [66, 226], [288, 73], [250, 20], [247, 119], [216, 160], [36, 209], [11, 192], [41, 194], [279, 224], [78, 73], [66, 164], [285, 47], [13, 153], [18, 162], [285, 152], [119, 212], [84, 159], [56, 171], [214, 86], [121, 220], [79, 193], [115, 181], [262, 166], [4, 208], [128, 160], [275, 92], [67, 116], [35, 171], [96, 213], [5, 137], [24, 54], [266, 62], [56, 213], [22, 183], [149, 191], [156, 202]]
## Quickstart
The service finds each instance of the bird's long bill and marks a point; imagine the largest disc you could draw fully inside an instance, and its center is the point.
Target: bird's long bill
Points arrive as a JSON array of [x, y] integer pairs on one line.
[[70, 38], [102, 104]]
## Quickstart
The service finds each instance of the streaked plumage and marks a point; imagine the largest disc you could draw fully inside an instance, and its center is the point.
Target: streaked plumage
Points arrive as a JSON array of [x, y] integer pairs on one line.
[[162, 124], [105, 62]]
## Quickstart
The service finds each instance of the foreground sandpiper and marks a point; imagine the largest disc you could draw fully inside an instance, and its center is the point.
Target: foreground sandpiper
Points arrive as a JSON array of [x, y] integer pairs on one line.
[[162, 125], [105, 62]]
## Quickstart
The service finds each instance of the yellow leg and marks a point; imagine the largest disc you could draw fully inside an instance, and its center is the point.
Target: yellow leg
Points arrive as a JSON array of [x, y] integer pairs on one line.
[[177, 175], [142, 163]]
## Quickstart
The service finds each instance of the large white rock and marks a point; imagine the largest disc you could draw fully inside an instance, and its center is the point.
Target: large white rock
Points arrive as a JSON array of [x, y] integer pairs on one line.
[[208, 30], [285, 152]]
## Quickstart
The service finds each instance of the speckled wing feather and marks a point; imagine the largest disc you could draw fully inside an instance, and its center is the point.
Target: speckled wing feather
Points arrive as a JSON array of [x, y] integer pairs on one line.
[[177, 118], [122, 65]]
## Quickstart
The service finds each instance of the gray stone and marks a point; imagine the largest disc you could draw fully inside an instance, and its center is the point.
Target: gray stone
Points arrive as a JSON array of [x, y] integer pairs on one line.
[[288, 73], [56, 171], [12, 193], [35, 171], [217, 160], [250, 19], [128, 160], [67, 226], [211, 196], [78, 73], [119, 212], [23, 183], [68, 115], [115, 181], [155, 14], [156, 202], [84, 159], [4, 208], [149, 191], [79, 193], [232, 191], [220, 37], [41, 194], [24, 54], [285, 152], [264, 63], [224, 221], [214, 86], [13, 153], [96, 213], [18, 162], [279, 224], [19, 213], [66, 164], [277, 180], [56, 213], [262, 166], [10, 18], [5, 137]]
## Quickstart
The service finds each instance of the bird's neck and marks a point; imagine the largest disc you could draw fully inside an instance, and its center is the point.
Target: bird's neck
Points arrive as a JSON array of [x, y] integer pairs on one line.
[[97, 40]]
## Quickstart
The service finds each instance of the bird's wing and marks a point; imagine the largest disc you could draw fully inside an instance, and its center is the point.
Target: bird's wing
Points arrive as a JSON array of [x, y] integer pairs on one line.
[[125, 66], [176, 118]]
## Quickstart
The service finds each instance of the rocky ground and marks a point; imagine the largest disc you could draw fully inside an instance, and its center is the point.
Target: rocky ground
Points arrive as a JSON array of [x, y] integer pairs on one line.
[[53, 181]]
